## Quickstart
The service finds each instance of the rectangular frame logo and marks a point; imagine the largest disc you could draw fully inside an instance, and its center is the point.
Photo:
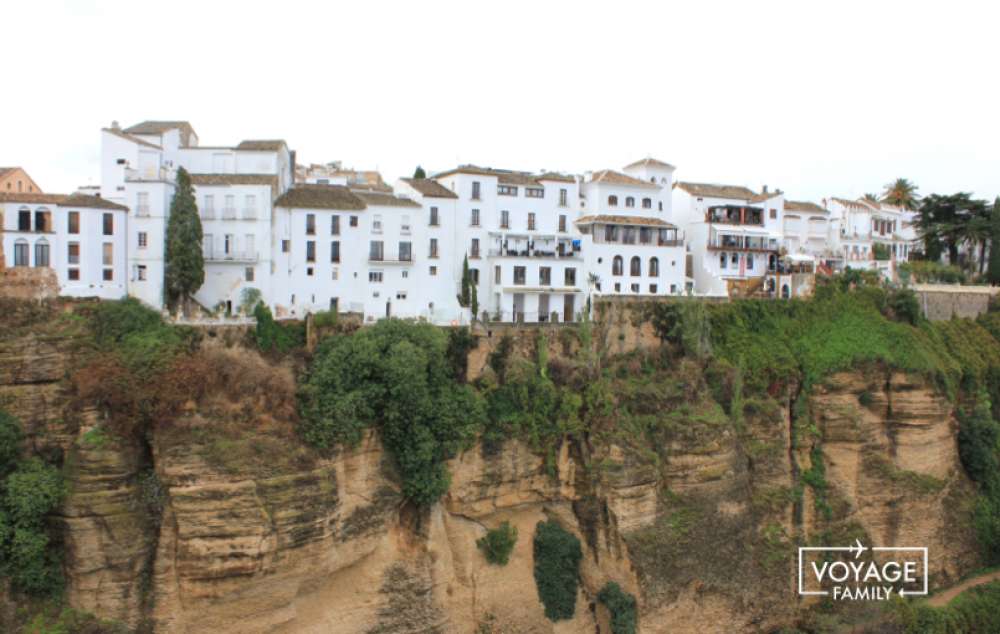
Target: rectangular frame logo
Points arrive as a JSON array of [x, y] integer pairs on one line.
[[864, 580]]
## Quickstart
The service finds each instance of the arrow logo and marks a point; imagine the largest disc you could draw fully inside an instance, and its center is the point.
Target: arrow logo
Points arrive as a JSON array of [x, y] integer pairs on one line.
[[858, 548]]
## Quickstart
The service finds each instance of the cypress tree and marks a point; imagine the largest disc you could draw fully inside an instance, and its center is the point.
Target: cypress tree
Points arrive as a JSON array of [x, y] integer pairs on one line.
[[419, 172], [993, 273], [465, 297], [185, 265]]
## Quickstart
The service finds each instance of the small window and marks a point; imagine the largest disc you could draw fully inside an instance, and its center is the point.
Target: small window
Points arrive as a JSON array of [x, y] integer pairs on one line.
[[629, 201], [618, 287], [434, 217], [474, 220], [140, 272], [73, 274], [569, 277], [377, 223], [562, 197], [73, 253], [24, 220], [545, 276], [375, 277], [774, 214], [654, 267], [433, 271], [21, 253], [311, 224], [635, 266], [143, 239], [497, 274], [562, 223], [309, 271], [474, 248], [519, 275], [434, 248], [612, 201], [475, 191], [647, 203], [73, 222], [41, 253], [248, 274], [335, 251], [617, 265], [311, 251], [507, 190], [400, 295], [335, 225], [652, 289], [109, 224], [107, 254], [534, 192], [504, 219], [635, 288], [109, 275], [531, 221], [286, 246]]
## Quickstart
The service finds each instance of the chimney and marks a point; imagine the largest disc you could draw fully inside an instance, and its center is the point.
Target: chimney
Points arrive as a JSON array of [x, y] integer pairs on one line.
[[114, 125], [765, 189]]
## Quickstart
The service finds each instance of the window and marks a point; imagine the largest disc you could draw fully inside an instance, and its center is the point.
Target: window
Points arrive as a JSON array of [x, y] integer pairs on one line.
[[73, 275], [635, 288], [24, 220], [311, 251], [335, 251], [433, 271], [629, 201], [673, 289], [628, 236], [570, 277], [209, 210], [735, 259], [400, 295], [545, 276], [647, 203], [250, 207], [612, 201], [108, 275], [21, 253], [652, 288], [774, 214], [434, 248], [474, 274], [143, 239], [286, 246], [434, 217], [335, 225], [41, 253], [404, 225], [617, 265], [519, 275], [228, 244], [562, 223], [722, 260], [474, 248], [374, 277], [507, 190], [207, 245], [611, 233], [505, 219], [109, 224], [660, 205], [654, 267], [377, 223], [618, 287], [248, 274], [645, 235], [475, 190], [534, 192], [336, 273], [531, 221], [474, 221], [750, 261], [42, 221], [354, 221], [635, 266], [107, 254], [405, 252], [562, 197], [497, 274], [73, 222], [230, 211], [376, 250], [73, 253], [310, 224]]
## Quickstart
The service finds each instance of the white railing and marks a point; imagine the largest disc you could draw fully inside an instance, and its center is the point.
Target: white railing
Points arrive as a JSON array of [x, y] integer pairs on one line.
[[142, 211], [229, 213], [233, 256], [249, 214]]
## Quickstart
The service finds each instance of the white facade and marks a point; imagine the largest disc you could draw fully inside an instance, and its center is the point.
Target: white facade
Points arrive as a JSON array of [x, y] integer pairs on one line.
[[81, 237], [864, 224]]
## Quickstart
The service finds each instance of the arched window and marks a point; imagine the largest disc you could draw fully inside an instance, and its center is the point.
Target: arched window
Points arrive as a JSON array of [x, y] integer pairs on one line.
[[629, 201], [616, 265], [785, 291], [635, 266], [654, 267], [647, 203], [42, 252], [722, 260], [612, 201], [21, 252]]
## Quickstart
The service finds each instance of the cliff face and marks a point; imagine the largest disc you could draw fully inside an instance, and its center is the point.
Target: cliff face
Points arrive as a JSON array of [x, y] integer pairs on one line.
[[221, 524]]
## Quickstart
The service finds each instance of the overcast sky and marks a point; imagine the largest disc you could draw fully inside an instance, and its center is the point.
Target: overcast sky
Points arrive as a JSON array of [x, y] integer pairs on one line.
[[832, 98]]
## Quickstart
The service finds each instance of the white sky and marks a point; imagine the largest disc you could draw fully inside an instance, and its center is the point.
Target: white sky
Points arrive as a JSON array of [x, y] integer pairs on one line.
[[832, 98]]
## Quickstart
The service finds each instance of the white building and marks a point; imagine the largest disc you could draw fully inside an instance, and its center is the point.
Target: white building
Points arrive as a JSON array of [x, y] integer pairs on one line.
[[733, 234], [863, 224], [83, 238]]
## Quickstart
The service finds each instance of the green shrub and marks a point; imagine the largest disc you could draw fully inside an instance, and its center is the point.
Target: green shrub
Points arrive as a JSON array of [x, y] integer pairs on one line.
[[904, 306], [249, 298], [460, 342], [10, 443], [274, 337], [499, 359], [978, 433], [498, 543], [622, 607], [325, 318], [557, 569], [112, 322], [396, 377], [881, 251], [931, 272], [975, 611]]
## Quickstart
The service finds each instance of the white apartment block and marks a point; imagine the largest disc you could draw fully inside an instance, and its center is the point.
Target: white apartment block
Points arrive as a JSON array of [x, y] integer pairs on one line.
[[861, 224]]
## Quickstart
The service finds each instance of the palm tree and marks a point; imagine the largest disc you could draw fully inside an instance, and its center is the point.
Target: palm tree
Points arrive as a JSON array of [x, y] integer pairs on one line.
[[870, 197], [902, 193]]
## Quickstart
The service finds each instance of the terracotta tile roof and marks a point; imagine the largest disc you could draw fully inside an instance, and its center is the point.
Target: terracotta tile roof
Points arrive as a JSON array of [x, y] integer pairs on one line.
[[759, 198], [62, 200], [556, 176], [384, 200], [234, 179], [625, 220], [710, 190], [506, 177], [262, 145], [129, 137], [430, 188], [853, 203], [798, 205], [380, 188], [320, 197], [159, 127], [617, 178], [650, 162]]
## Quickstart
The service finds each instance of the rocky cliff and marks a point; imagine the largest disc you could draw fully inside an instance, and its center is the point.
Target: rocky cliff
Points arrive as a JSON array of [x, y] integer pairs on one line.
[[222, 522]]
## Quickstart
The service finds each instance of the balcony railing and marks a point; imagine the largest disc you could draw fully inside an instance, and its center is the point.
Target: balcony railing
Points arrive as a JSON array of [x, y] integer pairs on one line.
[[229, 213], [149, 174], [249, 214], [208, 213], [382, 259], [142, 211], [233, 256]]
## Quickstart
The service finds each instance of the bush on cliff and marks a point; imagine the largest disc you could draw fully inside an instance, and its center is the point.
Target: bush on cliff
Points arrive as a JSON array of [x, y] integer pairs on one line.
[[395, 376], [557, 569], [498, 543], [622, 607]]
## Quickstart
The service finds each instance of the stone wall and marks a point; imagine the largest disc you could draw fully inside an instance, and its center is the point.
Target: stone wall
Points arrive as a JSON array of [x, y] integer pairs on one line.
[[22, 282], [943, 301]]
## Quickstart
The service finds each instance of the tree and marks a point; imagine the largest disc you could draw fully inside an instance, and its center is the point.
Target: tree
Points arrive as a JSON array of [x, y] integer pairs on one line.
[[946, 222], [419, 172], [185, 265], [465, 295], [994, 269], [870, 197], [902, 193], [473, 299]]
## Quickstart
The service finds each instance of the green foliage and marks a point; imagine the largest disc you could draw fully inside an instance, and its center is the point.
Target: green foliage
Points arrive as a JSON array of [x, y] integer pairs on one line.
[[557, 569], [977, 442], [397, 377], [498, 543], [529, 406], [10, 443], [29, 491], [274, 337], [904, 306], [325, 319], [461, 341], [184, 262], [993, 272], [975, 610], [419, 172], [499, 359], [686, 324], [56, 620], [465, 293], [881, 251], [249, 298], [930, 272], [622, 606]]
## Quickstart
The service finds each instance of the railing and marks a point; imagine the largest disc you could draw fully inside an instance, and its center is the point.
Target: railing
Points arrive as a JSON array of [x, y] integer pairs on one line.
[[564, 254], [249, 214], [235, 256], [208, 213], [381, 259], [229, 213], [142, 211], [530, 317], [149, 174]]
